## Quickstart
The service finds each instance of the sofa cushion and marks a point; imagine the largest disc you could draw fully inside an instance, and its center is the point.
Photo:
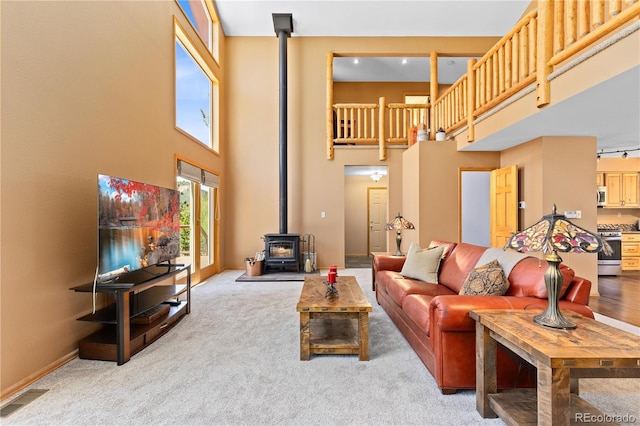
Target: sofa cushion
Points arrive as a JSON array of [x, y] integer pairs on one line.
[[416, 307], [422, 264], [456, 266], [527, 278], [398, 287], [486, 280]]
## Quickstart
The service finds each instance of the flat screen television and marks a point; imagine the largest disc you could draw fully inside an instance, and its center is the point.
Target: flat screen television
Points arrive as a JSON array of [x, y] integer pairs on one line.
[[138, 226]]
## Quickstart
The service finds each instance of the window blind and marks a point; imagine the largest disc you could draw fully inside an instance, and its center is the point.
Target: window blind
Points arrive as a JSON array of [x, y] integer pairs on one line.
[[196, 174]]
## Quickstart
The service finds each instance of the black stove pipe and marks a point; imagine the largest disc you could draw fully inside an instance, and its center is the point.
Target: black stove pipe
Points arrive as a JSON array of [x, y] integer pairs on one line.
[[282, 40], [283, 26]]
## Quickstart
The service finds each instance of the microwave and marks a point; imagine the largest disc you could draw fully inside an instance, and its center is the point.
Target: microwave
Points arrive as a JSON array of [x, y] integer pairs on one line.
[[601, 199]]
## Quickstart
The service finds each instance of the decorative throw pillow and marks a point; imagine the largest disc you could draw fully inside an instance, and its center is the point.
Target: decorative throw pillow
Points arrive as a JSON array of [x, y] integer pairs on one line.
[[422, 264], [486, 280]]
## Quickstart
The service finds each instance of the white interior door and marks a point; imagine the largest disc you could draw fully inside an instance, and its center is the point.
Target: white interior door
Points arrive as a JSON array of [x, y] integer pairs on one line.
[[377, 219]]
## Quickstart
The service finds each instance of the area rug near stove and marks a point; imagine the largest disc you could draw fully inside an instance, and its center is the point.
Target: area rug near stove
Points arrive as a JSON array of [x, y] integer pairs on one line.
[[276, 276], [235, 360]]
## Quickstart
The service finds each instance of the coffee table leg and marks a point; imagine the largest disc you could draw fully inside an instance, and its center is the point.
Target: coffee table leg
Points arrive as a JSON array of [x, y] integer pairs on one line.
[[304, 336], [363, 336], [554, 404], [486, 380]]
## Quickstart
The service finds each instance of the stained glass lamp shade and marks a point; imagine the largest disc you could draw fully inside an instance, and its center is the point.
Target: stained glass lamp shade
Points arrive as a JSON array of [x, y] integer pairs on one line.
[[552, 234], [399, 223]]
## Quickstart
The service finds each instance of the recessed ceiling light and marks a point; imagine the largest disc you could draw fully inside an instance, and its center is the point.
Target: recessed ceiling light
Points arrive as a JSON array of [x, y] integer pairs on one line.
[[356, 61], [404, 61]]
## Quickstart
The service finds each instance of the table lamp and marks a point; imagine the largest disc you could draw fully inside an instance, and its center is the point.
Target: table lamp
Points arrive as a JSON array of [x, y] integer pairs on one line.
[[551, 234], [399, 223]]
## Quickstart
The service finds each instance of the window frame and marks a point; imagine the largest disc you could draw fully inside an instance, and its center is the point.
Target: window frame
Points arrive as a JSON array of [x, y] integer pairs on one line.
[[214, 28], [207, 64]]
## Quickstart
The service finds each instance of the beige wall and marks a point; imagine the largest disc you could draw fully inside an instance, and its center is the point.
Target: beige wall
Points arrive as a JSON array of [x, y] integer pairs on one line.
[[87, 88], [367, 92]]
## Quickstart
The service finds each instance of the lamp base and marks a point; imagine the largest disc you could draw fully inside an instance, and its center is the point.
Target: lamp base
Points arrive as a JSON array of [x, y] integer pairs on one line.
[[552, 317], [398, 243], [554, 320]]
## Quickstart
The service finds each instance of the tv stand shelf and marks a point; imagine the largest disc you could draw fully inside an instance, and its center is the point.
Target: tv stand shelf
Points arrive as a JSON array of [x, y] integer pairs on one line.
[[120, 337]]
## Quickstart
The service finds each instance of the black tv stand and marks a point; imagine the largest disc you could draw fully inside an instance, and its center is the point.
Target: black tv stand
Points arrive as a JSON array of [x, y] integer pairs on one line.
[[135, 294]]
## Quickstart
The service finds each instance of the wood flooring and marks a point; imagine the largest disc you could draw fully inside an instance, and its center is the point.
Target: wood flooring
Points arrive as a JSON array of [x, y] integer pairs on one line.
[[619, 297]]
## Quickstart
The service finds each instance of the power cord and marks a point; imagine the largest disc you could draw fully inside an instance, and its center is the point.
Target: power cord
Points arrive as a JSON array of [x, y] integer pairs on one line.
[[95, 281]]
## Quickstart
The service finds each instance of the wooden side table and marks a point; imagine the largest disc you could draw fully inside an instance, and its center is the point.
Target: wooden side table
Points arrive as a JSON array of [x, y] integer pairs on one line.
[[593, 349]]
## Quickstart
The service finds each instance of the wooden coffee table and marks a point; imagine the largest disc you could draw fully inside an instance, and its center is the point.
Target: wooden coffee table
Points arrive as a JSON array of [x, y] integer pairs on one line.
[[333, 326], [593, 349]]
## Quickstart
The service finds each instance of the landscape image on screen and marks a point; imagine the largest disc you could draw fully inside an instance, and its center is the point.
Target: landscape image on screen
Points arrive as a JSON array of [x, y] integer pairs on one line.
[[138, 224]]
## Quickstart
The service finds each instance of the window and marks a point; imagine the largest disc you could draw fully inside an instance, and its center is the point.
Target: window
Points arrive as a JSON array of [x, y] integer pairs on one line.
[[193, 97], [203, 22]]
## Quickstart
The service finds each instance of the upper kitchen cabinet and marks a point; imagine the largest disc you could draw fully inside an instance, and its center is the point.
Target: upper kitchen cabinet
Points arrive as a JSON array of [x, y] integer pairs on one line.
[[622, 189]]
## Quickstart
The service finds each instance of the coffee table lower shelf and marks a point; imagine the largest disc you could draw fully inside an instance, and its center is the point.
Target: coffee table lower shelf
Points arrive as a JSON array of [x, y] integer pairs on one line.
[[334, 336], [520, 407]]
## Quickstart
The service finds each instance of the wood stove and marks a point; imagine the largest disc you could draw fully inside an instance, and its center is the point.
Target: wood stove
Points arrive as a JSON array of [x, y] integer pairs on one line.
[[282, 252]]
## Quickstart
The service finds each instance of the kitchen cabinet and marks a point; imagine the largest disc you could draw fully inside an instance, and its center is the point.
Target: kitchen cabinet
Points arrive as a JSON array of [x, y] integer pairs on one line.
[[630, 252], [599, 179], [622, 189]]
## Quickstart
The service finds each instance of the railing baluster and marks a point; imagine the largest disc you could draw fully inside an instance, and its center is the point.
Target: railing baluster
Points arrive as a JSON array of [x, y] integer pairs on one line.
[[508, 65], [598, 13], [615, 7], [572, 25], [584, 8], [515, 45], [558, 26]]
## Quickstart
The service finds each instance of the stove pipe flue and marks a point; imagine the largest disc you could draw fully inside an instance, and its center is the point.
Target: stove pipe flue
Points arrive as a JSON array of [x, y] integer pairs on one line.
[[283, 26]]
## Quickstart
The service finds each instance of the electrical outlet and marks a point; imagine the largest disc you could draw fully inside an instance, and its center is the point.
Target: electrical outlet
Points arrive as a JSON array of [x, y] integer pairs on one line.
[[574, 214]]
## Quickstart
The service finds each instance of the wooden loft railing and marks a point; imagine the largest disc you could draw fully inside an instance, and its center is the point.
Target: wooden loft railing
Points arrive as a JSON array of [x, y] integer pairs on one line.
[[542, 42]]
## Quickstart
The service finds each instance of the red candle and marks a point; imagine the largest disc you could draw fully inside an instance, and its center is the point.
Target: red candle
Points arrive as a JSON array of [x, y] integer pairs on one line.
[[332, 277]]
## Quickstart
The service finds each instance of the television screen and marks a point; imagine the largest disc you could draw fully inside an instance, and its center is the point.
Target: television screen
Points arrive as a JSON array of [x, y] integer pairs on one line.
[[138, 226]]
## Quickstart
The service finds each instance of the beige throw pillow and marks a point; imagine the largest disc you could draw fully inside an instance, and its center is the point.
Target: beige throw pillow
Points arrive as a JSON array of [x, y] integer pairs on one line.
[[486, 280], [422, 264]]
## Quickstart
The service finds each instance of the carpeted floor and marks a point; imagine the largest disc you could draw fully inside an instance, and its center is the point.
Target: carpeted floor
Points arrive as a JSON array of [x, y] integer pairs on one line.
[[235, 361]]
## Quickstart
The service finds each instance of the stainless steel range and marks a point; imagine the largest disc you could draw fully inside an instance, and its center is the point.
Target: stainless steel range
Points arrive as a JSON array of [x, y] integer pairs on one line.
[[610, 265]]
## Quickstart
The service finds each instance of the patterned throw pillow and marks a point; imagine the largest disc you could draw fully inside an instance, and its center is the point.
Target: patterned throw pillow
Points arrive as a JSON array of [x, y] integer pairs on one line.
[[486, 280]]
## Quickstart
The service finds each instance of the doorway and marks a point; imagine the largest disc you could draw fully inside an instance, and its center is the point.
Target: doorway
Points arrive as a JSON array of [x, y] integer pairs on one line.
[[474, 226], [199, 220], [365, 213]]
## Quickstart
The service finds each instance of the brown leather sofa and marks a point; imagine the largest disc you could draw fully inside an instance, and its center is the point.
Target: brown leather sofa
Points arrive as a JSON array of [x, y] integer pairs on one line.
[[435, 320]]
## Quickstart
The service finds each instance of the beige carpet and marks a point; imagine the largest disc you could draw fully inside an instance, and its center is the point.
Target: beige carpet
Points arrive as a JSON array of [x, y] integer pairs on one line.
[[235, 361]]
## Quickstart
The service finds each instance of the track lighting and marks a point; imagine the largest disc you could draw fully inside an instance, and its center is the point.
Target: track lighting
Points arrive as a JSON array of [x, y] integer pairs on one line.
[[625, 152]]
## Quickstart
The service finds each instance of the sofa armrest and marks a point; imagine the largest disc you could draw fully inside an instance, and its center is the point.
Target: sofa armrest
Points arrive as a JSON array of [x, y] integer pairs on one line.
[[578, 291], [451, 312], [388, 263]]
